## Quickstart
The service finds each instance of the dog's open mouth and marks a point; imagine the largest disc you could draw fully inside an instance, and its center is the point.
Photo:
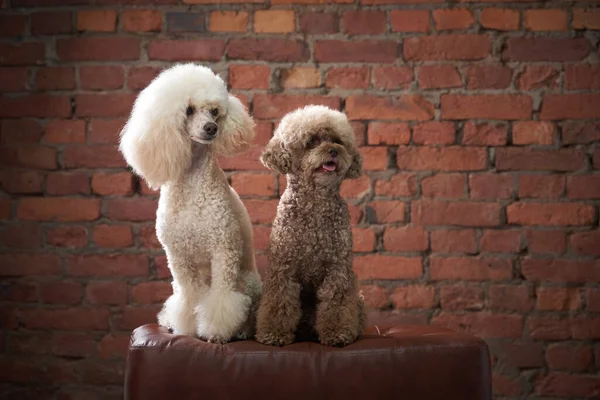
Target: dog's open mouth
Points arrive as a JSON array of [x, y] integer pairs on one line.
[[329, 166]]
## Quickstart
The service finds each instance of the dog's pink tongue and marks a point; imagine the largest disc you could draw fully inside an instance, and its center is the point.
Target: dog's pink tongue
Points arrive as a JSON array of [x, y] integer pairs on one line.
[[329, 167]]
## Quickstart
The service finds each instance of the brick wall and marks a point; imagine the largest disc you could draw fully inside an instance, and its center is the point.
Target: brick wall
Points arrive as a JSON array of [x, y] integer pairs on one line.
[[479, 122]]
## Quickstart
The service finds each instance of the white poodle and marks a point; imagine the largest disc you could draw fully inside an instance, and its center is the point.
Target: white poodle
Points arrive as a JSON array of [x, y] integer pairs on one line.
[[178, 126]]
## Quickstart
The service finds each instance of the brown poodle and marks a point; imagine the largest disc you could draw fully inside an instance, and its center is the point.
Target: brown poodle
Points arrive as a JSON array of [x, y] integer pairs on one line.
[[311, 289]]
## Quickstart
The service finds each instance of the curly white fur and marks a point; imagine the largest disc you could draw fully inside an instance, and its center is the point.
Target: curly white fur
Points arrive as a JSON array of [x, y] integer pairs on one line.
[[201, 222]]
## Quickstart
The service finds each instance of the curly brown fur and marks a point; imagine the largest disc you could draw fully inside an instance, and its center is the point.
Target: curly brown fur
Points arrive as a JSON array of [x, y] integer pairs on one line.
[[310, 288]]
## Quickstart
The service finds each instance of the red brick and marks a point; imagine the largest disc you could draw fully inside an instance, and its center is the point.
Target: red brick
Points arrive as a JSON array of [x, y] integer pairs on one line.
[[363, 22], [13, 79], [138, 209], [112, 293], [347, 78], [557, 270], [574, 106], [593, 300], [101, 77], [50, 23], [455, 18], [485, 325], [586, 18], [98, 49], [363, 239], [586, 243], [487, 76], [562, 384], [58, 209], [21, 236], [21, 292], [248, 184], [453, 241], [133, 317], [271, 106], [510, 159], [65, 131], [318, 22], [36, 157], [249, 76], [501, 19], [55, 78], [300, 78], [538, 76], [140, 77], [388, 211], [486, 106], [582, 77], [469, 268], [459, 47], [522, 355], [107, 265], [21, 182], [102, 373], [511, 297], [374, 158], [186, 50], [434, 132], [388, 133], [61, 183], [35, 105], [141, 20], [585, 327], [392, 77], [546, 49], [409, 20], [596, 158], [546, 242], [461, 297], [104, 105], [432, 212], [62, 292], [147, 237], [361, 51], [534, 132], [73, 345], [97, 20], [105, 131], [484, 134], [274, 21], [376, 297], [568, 357], [113, 184], [356, 188], [491, 186], [405, 238], [13, 25], [114, 346], [98, 156], [549, 214], [444, 186], [67, 236], [398, 185], [261, 211], [546, 20], [415, 296], [187, 22], [5, 205], [21, 264], [151, 292], [541, 186], [443, 159], [228, 21], [21, 54], [274, 50], [505, 385], [558, 299], [76, 319], [439, 77], [501, 241], [113, 236], [249, 160], [20, 131], [583, 186], [404, 108], [376, 266]]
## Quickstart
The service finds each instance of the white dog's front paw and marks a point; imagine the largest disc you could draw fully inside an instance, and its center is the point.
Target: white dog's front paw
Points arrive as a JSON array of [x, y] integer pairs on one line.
[[221, 314]]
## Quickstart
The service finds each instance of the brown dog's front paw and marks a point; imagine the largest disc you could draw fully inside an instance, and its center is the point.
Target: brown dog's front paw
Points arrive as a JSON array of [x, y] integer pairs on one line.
[[216, 339], [272, 339], [339, 339]]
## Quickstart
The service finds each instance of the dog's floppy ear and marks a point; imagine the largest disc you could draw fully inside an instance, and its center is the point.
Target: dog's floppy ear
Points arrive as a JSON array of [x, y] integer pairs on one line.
[[355, 169], [152, 141], [237, 129], [276, 157]]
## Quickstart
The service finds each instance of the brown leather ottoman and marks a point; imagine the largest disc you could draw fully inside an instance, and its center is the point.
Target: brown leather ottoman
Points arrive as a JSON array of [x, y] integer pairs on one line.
[[398, 362]]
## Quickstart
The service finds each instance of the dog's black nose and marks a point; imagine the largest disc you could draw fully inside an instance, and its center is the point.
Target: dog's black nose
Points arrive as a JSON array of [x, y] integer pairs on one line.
[[211, 128], [333, 152]]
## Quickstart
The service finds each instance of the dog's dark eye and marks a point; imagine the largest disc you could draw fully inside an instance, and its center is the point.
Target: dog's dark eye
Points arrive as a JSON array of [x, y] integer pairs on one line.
[[189, 111], [337, 141], [314, 141], [214, 112]]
